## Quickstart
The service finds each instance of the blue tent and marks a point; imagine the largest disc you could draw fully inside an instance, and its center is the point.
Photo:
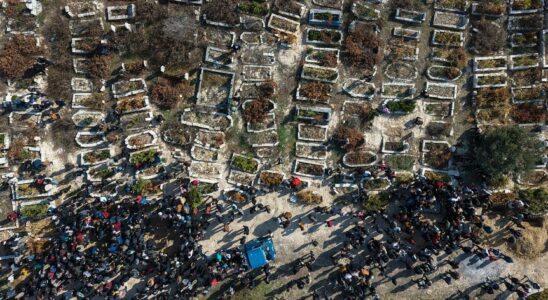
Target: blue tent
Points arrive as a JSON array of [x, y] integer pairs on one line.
[[259, 252]]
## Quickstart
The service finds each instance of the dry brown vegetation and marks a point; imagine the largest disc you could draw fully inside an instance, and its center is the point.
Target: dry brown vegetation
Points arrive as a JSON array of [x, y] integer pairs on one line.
[[256, 111], [268, 88], [99, 67], [490, 38], [63, 132], [168, 94], [353, 137], [316, 90], [492, 97], [362, 49], [225, 11], [20, 53]]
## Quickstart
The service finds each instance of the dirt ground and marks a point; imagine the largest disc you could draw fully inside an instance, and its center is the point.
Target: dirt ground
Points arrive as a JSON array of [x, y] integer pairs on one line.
[[292, 243]]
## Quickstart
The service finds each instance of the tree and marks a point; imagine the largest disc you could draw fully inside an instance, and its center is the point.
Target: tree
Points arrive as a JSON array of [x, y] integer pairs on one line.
[[490, 38], [505, 151]]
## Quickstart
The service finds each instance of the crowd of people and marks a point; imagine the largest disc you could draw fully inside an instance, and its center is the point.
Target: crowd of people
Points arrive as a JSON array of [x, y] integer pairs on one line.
[[99, 246], [433, 219], [112, 249]]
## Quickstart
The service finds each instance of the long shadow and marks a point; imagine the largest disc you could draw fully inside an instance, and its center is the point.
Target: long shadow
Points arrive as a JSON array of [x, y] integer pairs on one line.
[[402, 287], [263, 228], [485, 263]]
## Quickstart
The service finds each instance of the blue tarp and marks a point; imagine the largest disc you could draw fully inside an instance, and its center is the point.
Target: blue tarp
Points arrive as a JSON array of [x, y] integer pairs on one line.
[[259, 252]]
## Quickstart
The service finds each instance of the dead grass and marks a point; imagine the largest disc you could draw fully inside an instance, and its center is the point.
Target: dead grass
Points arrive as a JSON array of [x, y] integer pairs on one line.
[[533, 242]]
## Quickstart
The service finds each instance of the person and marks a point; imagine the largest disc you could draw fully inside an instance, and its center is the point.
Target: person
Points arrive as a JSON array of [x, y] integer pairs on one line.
[[246, 230], [301, 224], [12, 216]]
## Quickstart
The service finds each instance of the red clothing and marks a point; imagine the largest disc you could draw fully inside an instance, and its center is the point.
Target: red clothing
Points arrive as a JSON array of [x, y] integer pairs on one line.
[[117, 226]]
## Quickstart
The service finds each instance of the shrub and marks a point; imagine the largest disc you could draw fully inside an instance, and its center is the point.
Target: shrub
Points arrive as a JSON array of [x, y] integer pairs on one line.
[[376, 202], [362, 49], [436, 176], [150, 12], [328, 59], [406, 4], [254, 8], [492, 97], [271, 179], [99, 67], [316, 90], [405, 178], [537, 199], [400, 162], [222, 11], [207, 188], [498, 182], [438, 156], [144, 187], [453, 73], [244, 164], [97, 155], [105, 173], [438, 129], [447, 38], [267, 89], [34, 211], [167, 94], [18, 56], [406, 106], [237, 196], [491, 7], [375, 184], [526, 4], [309, 197], [63, 132], [504, 151], [360, 157], [17, 150], [501, 198], [352, 136], [457, 59], [528, 113], [59, 82], [256, 111], [195, 198], [145, 157], [490, 38]]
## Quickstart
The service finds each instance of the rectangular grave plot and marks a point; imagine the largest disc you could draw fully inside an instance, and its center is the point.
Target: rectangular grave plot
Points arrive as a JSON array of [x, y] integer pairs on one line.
[[215, 88], [257, 73], [313, 133]]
